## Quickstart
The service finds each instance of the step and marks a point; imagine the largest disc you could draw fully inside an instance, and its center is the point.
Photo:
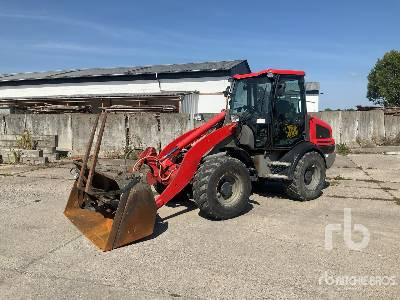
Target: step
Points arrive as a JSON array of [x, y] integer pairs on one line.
[[52, 157], [276, 176], [31, 153], [279, 163], [35, 160], [48, 150], [11, 140]]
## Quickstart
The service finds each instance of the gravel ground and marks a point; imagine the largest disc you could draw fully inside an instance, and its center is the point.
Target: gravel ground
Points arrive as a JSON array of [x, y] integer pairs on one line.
[[275, 250]]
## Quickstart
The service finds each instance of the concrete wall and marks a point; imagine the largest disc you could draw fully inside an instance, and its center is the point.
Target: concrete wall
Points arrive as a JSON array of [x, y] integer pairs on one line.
[[363, 128], [122, 130], [354, 128], [392, 129]]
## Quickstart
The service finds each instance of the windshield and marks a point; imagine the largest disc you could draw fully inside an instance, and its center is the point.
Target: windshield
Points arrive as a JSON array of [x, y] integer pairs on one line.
[[251, 94]]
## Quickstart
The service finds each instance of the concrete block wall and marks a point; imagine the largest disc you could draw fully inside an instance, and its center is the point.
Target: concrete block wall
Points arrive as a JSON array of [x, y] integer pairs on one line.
[[392, 129], [143, 131], [172, 126], [122, 130], [59, 125], [363, 128], [354, 128]]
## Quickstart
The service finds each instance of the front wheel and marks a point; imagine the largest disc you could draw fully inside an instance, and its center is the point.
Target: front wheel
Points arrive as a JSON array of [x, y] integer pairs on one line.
[[222, 187], [308, 177]]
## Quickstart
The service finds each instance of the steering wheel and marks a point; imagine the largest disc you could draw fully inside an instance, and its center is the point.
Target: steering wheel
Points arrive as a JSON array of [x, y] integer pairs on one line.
[[246, 107]]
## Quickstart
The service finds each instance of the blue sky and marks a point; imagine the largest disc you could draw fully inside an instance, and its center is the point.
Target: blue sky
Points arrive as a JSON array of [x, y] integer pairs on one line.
[[335, 42]]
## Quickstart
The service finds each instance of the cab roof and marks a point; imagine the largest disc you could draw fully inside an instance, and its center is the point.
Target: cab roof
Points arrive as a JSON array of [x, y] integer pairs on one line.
[[266, 71]]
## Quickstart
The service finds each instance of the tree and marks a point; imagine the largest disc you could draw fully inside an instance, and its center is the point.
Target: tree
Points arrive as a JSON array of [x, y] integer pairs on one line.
[[384, 80]]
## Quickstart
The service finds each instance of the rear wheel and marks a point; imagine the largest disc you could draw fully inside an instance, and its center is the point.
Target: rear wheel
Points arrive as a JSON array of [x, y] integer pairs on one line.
[[222, 187], [308, 177]]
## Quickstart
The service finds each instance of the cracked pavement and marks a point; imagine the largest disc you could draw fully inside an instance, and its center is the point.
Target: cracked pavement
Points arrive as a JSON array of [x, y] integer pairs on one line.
[[275, 250]]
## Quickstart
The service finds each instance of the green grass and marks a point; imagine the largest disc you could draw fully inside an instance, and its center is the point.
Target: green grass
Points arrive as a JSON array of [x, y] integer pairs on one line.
[[340, 177], [342, 149]]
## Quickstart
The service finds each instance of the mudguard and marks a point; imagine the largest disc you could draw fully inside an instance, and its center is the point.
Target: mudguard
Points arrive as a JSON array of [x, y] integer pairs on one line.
[[297, 152]]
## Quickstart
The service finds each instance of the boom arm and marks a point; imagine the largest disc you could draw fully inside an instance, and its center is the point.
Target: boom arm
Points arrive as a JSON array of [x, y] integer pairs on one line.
[[189, 137], [174, 168]]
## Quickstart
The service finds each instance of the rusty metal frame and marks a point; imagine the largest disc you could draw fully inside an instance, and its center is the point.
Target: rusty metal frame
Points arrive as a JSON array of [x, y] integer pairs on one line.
[[87, 153], [96, 152]]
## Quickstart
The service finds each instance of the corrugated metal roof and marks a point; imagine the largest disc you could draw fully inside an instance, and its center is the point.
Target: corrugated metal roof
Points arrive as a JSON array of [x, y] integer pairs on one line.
[[120, 71], [104, 96]]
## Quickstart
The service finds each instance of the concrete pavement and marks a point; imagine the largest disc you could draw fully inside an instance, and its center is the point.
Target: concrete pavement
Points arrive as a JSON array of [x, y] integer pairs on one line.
[[275, 250]]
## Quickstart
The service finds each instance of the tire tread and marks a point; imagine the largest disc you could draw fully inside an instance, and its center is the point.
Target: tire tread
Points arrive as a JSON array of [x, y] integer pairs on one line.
[[202, 179], [293, 189]]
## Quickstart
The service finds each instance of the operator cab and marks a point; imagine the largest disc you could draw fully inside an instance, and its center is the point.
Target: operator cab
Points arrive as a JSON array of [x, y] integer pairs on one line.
[[271, 106]]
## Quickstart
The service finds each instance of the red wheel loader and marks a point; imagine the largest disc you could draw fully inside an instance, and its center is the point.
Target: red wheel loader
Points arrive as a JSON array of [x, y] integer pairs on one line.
[[265, 134]]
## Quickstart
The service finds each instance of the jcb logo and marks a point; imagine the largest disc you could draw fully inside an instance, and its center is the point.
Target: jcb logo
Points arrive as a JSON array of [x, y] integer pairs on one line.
[[330, 228]]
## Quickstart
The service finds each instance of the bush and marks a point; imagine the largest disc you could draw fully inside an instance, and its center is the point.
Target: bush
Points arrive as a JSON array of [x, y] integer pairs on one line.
[[342, 149], [25, 141], [14, 157]]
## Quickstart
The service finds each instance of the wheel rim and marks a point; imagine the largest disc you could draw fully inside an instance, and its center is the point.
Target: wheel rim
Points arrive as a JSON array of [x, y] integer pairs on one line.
[[228, 189], [312, 176]]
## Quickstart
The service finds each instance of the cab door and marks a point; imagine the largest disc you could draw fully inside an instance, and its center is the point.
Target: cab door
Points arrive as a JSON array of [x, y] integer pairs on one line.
[[289, 111]]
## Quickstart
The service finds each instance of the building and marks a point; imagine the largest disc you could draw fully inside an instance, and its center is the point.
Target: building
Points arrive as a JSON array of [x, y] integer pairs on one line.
[[312, 96], [189, 88]]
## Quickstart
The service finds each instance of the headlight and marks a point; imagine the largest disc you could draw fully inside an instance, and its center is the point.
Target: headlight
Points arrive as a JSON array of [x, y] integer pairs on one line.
[[234, 118]]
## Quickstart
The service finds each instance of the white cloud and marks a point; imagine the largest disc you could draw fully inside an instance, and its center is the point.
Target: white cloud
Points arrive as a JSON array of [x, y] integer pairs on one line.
[[106, 30], [68, 47]]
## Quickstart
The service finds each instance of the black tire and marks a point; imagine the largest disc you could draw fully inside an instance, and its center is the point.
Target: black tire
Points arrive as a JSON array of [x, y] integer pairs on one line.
[[222, 187], [308, 177], [159, 187]]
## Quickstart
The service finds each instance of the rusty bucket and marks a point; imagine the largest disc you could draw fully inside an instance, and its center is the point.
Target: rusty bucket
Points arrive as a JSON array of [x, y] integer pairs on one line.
[[109, 215], [111, 221]]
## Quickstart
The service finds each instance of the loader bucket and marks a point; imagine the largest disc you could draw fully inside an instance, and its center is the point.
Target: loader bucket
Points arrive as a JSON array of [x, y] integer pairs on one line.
[[109, 227]]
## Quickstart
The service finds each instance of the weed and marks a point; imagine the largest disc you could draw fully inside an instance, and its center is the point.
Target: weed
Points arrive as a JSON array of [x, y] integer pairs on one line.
[[342, 149], [14, 157], [131, 154], [25, 141], [370, 180], [113, 154], [340, 177], [387, 188]]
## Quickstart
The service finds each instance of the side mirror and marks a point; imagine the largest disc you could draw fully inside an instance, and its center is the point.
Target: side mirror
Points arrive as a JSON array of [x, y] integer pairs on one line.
[[280, 89], [227, 91]]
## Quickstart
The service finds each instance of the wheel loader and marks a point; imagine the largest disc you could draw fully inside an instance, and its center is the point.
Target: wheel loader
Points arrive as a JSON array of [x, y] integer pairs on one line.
[[265, 134]]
